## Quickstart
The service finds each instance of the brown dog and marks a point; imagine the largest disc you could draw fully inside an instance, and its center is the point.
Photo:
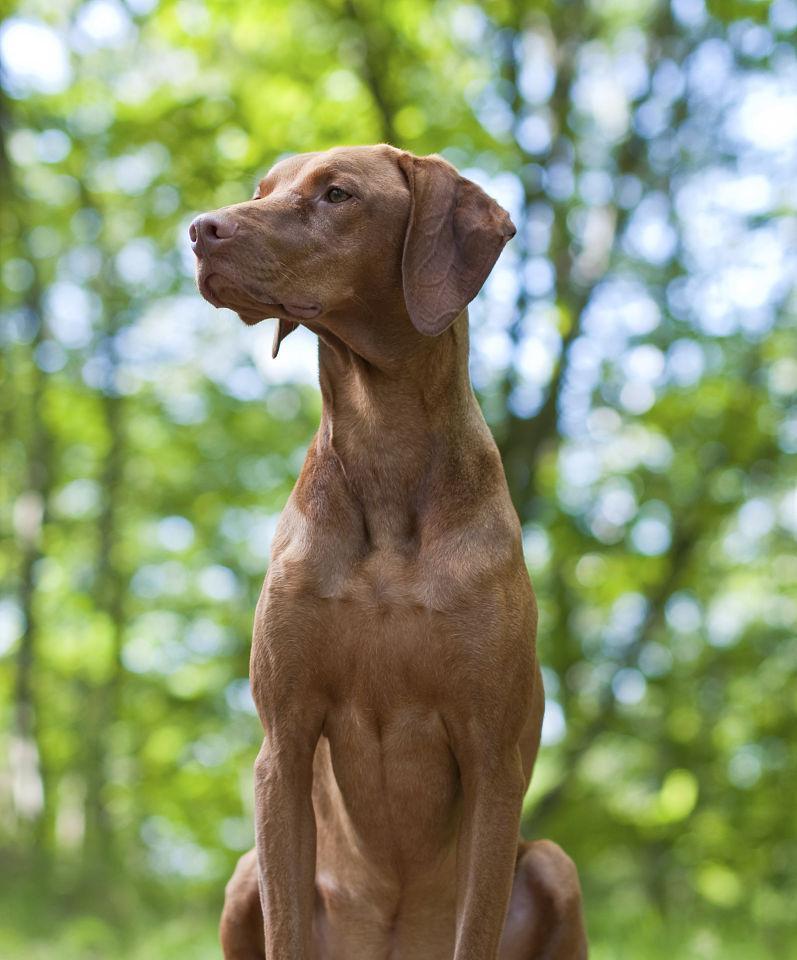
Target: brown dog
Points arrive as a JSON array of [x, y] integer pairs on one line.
[[393, 663]]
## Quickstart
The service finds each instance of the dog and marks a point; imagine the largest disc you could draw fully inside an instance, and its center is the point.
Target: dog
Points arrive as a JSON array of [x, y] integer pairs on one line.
[[393, 663]]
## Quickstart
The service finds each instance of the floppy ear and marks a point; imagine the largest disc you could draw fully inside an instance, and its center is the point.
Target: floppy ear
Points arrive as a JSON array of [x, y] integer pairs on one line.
[[282, 329], [454, 236]]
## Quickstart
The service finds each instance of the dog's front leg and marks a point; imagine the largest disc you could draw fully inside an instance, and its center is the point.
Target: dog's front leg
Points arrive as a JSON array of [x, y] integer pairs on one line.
[[285, 831], [492, 786]]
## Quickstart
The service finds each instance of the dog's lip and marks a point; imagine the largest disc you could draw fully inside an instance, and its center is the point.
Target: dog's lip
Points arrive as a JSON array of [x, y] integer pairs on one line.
[[302, 311], [203, 282]]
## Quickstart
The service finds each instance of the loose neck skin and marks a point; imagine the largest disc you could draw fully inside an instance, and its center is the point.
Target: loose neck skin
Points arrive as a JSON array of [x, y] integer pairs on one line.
[[401, 430]]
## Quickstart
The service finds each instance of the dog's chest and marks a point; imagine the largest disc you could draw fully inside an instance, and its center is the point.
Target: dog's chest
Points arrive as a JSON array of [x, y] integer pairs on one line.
[[378, 617], [391, 624], [378, 624]]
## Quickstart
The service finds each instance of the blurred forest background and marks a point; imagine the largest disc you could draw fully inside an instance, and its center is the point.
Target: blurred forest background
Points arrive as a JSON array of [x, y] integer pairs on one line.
[[636, 355]]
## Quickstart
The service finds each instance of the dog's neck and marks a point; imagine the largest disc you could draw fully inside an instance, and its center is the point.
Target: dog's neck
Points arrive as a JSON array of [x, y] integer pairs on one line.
[[402, 433], [418, 392]]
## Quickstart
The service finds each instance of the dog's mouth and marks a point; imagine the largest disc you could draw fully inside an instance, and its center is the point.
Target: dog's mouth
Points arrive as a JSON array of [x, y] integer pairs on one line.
[[219, 291], [205, 288]]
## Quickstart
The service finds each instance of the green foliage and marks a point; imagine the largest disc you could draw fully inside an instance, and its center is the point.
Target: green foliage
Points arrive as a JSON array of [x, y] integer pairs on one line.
[[634, 352]]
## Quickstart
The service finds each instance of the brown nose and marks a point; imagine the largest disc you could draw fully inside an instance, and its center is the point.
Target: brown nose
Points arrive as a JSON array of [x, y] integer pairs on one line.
[[209, 231]]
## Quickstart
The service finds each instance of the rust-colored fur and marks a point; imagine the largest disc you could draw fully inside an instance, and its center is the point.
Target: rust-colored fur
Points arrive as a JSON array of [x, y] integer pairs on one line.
[[393, 661]]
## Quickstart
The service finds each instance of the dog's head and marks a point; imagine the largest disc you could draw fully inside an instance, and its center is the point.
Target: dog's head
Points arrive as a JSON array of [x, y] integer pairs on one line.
[[364, 233]]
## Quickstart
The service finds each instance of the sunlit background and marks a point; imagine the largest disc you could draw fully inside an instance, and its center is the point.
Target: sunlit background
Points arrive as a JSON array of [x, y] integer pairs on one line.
[[635, 351]]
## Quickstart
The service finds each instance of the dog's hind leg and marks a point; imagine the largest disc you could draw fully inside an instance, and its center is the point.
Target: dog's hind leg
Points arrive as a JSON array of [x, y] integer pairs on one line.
[[545, 920], [241, 928]]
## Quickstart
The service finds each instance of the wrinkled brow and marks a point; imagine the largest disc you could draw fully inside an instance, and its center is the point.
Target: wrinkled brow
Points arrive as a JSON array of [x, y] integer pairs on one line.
[[329, 173], [340, 174], [263, 187], [284, 170]]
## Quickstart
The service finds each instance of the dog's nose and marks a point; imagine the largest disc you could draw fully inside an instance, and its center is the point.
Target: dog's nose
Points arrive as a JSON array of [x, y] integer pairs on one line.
[[210, 230]]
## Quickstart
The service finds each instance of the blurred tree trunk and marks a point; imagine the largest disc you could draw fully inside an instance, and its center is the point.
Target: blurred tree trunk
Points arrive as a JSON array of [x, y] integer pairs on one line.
[[374, 47], [30, 785], [524, 441], [32, 797], [103, 694], [102, 708]]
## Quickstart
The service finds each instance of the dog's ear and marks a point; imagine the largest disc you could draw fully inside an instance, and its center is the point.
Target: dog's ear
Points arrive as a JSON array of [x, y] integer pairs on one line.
[[454, 235], [282, 329]]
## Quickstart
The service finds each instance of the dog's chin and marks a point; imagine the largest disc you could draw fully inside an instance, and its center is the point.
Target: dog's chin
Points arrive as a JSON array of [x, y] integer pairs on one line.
[[220, 292], [203, 282]]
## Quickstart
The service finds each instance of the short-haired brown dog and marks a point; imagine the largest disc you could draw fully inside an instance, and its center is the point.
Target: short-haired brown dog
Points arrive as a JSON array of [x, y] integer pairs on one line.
[[393, 662]]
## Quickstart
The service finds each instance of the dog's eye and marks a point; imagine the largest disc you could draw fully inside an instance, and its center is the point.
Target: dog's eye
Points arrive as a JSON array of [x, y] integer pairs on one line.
[[336, 195]]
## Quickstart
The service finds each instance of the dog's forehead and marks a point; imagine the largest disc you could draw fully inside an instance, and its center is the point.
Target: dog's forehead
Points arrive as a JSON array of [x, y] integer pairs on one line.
[[286, 169], [364, 162]]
